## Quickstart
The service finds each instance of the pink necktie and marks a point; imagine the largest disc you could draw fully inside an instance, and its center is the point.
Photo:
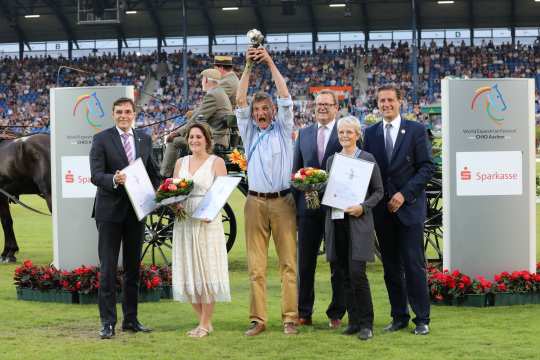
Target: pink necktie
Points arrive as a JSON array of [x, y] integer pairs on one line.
[[320, 143], [127, 147]]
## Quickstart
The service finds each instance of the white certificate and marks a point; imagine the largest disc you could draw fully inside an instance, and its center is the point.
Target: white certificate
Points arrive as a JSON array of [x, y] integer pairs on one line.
[[348, 182], [216, 197], [139, 188]]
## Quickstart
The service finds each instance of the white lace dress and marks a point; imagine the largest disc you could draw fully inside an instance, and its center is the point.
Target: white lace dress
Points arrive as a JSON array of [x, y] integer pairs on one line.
[[199, 256]]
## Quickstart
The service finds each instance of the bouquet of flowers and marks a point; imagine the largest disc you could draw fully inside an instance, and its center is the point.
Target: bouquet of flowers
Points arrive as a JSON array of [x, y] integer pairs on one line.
[[310, 181], [173, 191], [239, 159]]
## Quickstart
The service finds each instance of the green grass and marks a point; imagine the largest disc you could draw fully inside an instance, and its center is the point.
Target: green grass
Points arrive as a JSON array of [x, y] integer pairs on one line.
[[31, 330]]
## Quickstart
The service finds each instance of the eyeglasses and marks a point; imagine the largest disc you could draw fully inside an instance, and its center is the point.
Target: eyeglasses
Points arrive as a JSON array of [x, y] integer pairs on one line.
[[324, 105]]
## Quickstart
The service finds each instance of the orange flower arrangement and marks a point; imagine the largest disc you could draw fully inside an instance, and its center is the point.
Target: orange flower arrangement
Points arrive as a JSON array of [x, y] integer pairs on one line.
[[238, 158]]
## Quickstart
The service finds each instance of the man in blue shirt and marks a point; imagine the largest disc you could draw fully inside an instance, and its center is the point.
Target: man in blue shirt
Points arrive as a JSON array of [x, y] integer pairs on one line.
[[270, 209]]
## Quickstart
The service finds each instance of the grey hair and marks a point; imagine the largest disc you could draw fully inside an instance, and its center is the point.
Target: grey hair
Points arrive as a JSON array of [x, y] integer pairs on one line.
[[351, 121]]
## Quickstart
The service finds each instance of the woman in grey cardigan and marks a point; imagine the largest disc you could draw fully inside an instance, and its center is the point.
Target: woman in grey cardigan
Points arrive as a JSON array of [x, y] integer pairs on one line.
[[350, 240]]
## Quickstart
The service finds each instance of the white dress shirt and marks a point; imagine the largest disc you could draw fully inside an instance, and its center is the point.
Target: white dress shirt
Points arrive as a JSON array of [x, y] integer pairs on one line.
[[329, 129], [396, 123]]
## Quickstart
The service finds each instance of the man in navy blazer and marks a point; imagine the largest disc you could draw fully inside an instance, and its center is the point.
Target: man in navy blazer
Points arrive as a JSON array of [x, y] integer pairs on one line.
[[112, 150], [401, 149], [313, 146]]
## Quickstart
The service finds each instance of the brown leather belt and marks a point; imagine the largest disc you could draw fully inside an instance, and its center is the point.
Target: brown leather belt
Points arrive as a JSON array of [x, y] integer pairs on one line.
[[273, 195]]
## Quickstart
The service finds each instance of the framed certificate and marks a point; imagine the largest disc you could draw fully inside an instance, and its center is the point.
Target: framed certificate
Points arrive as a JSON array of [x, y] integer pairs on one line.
[[216, 197], [348, 182], [139, 188]]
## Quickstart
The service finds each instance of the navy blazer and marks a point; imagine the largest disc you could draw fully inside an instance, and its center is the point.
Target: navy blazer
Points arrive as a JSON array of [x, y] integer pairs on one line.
[[410, 168], [305, 155], [108, 155]]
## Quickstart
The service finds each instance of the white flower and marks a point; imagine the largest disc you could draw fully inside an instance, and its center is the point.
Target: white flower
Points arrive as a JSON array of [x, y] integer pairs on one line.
[[176, 181]]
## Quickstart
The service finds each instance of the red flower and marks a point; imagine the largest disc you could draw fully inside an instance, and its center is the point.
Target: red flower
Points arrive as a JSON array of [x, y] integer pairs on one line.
[[28, 263], [501, 287], [156, 281], [163, 187], [168, 181], [172, 187]]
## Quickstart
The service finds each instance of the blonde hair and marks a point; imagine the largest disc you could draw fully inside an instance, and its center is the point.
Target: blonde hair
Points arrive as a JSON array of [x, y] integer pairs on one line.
[[352, 122]]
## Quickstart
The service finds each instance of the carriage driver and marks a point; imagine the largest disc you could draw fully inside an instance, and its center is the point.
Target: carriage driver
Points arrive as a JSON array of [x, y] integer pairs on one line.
[[215, 109]]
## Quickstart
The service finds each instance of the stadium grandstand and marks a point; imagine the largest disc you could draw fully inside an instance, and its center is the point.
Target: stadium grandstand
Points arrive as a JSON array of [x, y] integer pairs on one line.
[[161, 46]]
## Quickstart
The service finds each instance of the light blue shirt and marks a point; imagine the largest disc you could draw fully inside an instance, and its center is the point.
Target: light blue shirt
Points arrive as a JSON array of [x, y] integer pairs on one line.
[[270, 166]]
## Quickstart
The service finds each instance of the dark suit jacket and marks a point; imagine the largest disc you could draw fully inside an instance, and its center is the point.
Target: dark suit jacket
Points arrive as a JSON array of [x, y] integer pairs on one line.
[[106, 156], [409, 171], [361, 229], [305, 155]]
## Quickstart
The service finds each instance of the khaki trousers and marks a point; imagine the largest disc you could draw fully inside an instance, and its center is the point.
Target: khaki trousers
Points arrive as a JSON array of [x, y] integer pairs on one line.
[[276, 217]]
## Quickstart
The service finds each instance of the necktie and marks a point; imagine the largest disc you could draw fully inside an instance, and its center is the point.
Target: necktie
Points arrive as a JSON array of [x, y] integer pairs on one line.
[[388, 142], [320, 143], [127, 147]]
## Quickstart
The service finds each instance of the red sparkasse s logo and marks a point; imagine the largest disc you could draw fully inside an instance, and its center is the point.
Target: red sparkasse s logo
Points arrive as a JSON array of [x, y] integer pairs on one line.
[[465, 174], [69, 177]]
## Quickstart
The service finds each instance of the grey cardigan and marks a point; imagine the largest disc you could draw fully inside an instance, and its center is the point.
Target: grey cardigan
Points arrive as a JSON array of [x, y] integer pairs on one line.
[[361, 228]]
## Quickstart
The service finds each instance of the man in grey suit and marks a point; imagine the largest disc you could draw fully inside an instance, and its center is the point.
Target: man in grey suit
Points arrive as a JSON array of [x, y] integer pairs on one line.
[[214, 109]]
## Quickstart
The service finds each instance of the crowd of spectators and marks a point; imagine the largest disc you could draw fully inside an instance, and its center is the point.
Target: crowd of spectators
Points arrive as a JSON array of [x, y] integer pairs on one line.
[[25, 85]]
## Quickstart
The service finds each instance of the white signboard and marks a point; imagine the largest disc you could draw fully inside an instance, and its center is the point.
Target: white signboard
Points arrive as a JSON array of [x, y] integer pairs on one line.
[[76, 178], [489, 173]]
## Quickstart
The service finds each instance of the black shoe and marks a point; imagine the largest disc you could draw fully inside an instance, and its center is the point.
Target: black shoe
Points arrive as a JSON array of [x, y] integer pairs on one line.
[[351, 330], [365, 334], [421, 329], [134, 326], [395, 326], [107, 331]]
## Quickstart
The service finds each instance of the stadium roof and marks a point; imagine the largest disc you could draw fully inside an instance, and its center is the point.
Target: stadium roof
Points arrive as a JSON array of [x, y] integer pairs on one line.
[[163, 18]]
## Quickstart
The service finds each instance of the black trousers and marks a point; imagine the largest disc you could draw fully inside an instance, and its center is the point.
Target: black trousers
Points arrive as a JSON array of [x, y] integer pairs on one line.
[[404, 266], [310, 234], [356, 284], [130, 234]]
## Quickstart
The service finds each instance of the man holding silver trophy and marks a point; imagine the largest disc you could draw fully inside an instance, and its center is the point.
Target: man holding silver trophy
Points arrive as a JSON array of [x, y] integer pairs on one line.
[[270, 208]]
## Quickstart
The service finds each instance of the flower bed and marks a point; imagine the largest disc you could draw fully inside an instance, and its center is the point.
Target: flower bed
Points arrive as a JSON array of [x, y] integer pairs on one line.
[[456, 288], [46, 283]]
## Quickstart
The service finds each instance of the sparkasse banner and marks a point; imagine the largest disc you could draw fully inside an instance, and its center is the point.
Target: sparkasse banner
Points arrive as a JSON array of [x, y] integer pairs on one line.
[[77, 114], [489, 195]]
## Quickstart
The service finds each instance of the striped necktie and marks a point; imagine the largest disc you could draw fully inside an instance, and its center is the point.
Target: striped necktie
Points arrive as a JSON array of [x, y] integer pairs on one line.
[[127, 147]]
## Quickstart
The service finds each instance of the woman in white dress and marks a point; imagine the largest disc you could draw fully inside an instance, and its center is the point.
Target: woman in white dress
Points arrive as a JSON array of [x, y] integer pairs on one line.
[[199, 267]]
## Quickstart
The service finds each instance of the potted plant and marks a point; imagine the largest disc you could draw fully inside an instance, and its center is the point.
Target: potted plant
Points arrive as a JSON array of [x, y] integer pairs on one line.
[[165, 273], [479, 293], [150, 284]]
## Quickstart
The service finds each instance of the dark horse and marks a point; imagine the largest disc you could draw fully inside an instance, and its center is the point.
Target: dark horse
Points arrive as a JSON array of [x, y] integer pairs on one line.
[[25, 168]]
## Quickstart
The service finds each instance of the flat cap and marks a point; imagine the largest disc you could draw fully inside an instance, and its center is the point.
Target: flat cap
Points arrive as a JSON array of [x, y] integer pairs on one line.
[[211, 74], [225, 60]]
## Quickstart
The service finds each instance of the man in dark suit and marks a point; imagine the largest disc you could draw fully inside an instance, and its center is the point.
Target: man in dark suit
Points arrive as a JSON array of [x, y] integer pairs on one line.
[[112, 150], [313, 147], [401, 149]]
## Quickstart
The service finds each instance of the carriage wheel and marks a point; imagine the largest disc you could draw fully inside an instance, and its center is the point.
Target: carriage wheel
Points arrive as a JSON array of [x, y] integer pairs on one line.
[[158, 233], [229, 225], [433, 234]]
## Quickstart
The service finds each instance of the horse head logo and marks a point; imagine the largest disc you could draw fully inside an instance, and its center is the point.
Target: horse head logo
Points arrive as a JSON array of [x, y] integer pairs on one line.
[[493, 100], [93, 110]]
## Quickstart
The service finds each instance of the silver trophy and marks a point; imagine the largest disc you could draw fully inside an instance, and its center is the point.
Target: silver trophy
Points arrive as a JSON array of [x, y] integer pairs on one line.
[[256, 38]]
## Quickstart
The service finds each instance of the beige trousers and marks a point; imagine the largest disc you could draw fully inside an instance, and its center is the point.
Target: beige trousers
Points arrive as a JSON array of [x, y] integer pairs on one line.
[[276, 217]]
